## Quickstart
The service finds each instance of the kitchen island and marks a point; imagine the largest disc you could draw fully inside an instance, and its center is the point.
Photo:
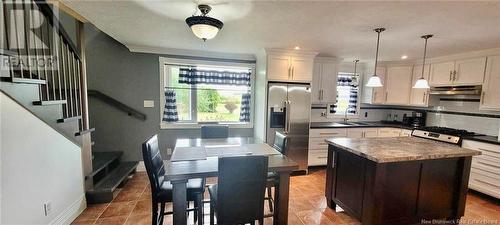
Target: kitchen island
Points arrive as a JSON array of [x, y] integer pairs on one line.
[[403, 180]]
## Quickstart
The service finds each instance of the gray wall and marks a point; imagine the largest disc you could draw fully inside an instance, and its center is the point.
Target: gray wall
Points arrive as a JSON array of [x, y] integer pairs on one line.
[[130, 78]]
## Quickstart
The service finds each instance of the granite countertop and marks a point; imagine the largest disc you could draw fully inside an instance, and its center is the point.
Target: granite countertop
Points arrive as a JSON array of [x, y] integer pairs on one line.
[[362, 124], [483, 138], [400, 149]]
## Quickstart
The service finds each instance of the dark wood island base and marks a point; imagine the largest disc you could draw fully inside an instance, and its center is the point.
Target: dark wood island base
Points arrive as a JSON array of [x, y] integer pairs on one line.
[[404, 192]]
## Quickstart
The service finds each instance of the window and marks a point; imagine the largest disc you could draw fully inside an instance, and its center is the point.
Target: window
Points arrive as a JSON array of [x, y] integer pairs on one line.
[[347, 95], [197, 94]]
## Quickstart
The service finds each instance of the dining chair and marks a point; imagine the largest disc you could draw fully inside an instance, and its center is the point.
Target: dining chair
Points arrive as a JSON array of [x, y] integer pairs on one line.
[[280, 144], [215, 131], [239, 194], [161, 189]]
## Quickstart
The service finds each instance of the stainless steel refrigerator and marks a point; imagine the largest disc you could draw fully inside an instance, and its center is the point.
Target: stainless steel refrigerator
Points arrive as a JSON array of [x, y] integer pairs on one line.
[[288, 111]]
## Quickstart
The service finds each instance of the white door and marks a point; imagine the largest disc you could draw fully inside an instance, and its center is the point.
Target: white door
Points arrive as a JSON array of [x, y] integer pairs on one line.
[[419, 97], [490, 98], [278, 67], [316, 82], [302, 68], [442, 74], [378, 96], [329, 83], [355, 132], [470, 71], [398, 81]]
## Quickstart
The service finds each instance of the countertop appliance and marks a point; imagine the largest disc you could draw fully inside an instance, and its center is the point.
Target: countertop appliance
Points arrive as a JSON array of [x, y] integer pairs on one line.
[[416, 120], [288, 111], [444, 134]]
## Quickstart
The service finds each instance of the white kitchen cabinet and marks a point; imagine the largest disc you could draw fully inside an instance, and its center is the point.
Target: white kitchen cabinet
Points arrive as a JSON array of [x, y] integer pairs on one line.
[[485, 168], [301, 68], [398, 85], [389, 132], [490, 98], [362, 132], [419, 97], [406, 133], [469, 71], [460, 72], [290, 67], [378, 96], [324, 81], [318, 148], [442, 74]]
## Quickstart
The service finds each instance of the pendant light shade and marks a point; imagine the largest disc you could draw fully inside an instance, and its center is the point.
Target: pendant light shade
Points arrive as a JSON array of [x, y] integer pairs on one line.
[[204, 27], [374, 80], [422, 82]]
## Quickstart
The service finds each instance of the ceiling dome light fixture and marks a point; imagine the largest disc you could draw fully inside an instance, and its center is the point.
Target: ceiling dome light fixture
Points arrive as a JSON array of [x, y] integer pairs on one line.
[[422, 82], [204, 27], [374, 80]]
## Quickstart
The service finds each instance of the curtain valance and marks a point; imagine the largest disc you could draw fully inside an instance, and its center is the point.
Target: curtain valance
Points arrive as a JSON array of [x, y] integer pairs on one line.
[[197, 76]]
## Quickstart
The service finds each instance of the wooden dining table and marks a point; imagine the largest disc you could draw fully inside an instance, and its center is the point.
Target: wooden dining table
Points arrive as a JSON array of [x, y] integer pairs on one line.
[[198, 158]]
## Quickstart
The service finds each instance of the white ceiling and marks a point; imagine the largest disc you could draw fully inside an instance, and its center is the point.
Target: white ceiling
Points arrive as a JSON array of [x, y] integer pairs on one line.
[[335, 28]]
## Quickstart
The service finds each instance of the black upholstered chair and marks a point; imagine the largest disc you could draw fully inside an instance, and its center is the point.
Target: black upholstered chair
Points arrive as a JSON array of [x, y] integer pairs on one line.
[[215, 131], [161, 189], [239, 194], [280, 144]]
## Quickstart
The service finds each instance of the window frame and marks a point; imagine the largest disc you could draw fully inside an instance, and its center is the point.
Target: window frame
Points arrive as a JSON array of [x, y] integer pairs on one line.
[[358, 103], [165, 61]]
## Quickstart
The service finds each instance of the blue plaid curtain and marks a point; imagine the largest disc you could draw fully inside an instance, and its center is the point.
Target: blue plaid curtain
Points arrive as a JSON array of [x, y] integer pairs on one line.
[[245, 108], [170, 111], [195, 76]]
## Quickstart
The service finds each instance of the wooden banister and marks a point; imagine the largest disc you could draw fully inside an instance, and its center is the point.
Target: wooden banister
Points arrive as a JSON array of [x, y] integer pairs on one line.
[[117, 104]]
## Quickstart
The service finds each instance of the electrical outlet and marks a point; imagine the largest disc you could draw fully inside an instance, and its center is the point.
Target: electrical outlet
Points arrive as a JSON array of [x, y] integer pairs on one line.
[[47, 208], [169, 151]]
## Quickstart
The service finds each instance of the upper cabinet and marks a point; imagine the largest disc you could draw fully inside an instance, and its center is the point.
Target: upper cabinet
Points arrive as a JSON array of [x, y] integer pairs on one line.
[[419, 97], [398, 85], [324, 81], [455, 73], [290, 66], [490, 98]]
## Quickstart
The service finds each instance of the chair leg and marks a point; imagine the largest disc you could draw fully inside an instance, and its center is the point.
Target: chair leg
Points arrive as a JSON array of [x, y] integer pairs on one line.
[[200, 208], [195, 212], [212, 214], [261, 221], [252, 223], [154, 219], [270, 198], [162, 212]]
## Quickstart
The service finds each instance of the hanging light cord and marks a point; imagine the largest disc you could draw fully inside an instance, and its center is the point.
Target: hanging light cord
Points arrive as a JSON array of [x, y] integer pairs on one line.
[[378, 30], [425, 53]]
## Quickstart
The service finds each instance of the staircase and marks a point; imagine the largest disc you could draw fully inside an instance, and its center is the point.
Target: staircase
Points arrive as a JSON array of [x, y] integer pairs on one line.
[[108, 173], [56, 92]]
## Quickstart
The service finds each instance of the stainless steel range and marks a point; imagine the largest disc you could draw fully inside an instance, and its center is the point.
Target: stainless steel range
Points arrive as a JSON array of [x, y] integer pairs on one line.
[[444, 134]]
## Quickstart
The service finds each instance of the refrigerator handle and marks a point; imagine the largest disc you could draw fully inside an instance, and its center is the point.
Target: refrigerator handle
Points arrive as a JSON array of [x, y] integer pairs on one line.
[[287, 117]]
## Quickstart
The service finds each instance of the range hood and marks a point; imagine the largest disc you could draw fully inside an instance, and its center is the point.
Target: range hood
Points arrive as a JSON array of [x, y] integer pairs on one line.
[[456, 90]]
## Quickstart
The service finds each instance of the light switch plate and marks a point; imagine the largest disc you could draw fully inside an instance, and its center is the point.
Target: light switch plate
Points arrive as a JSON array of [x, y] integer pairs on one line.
[[149, 104]]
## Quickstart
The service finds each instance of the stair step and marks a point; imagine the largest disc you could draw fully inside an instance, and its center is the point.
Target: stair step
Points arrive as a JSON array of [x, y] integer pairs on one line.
[[79, 133], [54, 102], [24, 80], [69, 119], [102, 159], [103, 191]]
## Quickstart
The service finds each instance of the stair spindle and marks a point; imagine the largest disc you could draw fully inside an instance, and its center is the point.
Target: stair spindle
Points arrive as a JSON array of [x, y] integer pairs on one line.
[[70, 82], [27, 45], [58, 61], [63, 68], [16, 31]]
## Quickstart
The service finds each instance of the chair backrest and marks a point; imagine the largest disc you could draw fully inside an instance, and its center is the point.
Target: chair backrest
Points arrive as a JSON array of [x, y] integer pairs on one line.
[[280, 142], [154, 163], [241, 187], [215, 131]]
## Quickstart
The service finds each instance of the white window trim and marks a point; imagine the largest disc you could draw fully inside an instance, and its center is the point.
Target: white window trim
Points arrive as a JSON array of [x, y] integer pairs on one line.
[[358, 104], [181, 125]]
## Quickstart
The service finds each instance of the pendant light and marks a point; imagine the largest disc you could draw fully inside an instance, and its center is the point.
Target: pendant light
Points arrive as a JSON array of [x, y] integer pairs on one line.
[[422, 82], [374, 80], [204, 27], [354, 77]]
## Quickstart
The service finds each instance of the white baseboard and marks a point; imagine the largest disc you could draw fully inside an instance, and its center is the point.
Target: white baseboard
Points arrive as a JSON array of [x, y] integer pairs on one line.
[[71, 213]]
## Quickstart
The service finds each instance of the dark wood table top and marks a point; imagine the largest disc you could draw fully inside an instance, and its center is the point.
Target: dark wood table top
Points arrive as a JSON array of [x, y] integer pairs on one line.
[[208, 167]]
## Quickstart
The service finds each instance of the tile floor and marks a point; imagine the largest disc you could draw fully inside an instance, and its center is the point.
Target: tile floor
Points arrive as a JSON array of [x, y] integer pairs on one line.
[[132, 205]]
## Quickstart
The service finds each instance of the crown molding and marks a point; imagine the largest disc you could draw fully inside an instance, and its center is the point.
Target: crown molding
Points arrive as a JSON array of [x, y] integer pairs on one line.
[[291, 52], [185, 52]]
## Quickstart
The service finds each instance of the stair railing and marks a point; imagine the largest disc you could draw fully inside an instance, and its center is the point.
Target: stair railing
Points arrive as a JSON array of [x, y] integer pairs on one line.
[[117, 104]]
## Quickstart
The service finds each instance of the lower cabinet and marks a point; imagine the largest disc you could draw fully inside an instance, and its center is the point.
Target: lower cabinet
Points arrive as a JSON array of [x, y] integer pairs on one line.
[[318, 148], [485, 168]]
